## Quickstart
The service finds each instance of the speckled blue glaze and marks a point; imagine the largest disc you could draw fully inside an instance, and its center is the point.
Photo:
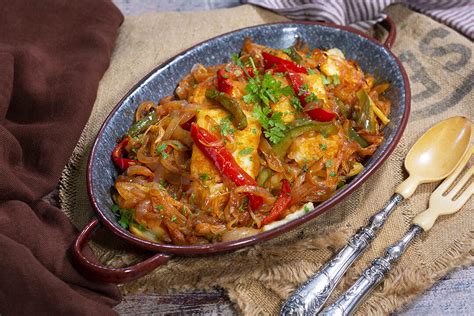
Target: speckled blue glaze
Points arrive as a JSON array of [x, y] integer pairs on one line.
[[371, 56]]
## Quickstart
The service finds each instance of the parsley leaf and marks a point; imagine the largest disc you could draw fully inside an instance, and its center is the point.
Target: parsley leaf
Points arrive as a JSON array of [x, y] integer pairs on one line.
[[264, 91], [310, 71], [311, 98], [159, 207], [160, 150], [204, 176], [328, 163], [226, 127], [287, 91], [126, 218], [273, 125], [335, 79], [245, 151], [326, 80], [323, 146], [295, 102]]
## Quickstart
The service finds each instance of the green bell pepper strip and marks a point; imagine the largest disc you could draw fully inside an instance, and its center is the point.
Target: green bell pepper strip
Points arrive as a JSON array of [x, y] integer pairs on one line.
[[293, 54], [230, 104], [366, 118], [143, 124], [354, 136], [263, 176], [282, 147]]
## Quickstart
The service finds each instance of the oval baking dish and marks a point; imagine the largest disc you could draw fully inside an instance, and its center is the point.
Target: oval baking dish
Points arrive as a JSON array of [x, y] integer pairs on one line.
[[372, 57]]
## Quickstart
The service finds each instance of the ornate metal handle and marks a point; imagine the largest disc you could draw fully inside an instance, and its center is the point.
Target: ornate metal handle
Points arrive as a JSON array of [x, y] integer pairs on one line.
[[371, 277], [311, 296]]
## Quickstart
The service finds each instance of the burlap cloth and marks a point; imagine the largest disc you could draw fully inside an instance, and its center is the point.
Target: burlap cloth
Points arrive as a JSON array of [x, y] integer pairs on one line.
[[439, 63]]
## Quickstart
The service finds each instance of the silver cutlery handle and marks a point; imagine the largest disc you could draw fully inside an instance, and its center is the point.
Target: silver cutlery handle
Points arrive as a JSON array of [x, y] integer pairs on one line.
[[348, 302], [311, 296]]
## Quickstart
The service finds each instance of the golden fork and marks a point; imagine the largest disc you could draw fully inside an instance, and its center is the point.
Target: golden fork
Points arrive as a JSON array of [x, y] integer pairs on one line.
[[448, 198]]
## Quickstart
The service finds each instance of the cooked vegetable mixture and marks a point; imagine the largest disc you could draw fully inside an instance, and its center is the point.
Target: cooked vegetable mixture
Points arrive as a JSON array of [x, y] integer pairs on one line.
[[243, 145]]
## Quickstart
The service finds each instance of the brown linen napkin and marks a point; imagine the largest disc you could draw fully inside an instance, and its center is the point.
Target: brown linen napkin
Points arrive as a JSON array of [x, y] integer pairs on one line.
[[439, 63], [52, 56]]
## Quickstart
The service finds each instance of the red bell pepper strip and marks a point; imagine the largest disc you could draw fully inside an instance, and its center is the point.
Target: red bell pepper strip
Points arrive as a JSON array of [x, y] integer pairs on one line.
[[317, 114], [224, 84], [321, 115], [282, 65], [224, 162], [294, 70], [281, 204], [224, 76], [119, 161]]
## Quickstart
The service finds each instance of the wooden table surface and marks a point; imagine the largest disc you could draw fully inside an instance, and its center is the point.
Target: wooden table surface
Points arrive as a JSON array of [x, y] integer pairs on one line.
[[452, 295]]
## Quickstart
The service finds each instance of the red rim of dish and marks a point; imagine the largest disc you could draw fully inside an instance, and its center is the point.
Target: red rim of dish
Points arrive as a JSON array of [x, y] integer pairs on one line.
[[263, 236]]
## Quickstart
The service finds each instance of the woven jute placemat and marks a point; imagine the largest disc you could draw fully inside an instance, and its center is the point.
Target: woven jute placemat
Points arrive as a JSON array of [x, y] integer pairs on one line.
[[439, 63]]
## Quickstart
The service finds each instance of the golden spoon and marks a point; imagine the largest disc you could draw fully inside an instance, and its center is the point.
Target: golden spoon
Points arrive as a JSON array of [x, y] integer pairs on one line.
[[443, 201], [432, 158]]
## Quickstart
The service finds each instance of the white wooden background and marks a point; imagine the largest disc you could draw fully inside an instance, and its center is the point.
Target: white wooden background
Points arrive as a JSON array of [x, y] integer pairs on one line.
[[452, 295]]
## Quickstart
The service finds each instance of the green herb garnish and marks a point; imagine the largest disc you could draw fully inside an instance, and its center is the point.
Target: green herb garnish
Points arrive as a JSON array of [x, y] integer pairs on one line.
[[328, 163], [245, 151], [273, 125], [160, 150], [326, 80], [204, 176]]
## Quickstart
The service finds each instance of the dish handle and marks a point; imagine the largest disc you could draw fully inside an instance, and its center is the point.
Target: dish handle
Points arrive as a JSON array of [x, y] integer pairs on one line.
[[96, 271], [391, 28]]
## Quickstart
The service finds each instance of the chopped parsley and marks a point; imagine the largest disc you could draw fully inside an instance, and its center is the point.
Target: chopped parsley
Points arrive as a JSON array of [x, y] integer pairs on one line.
[[203, 176], [303, 89], [310, 71], [226, 127], [125, 216], [273, 125], [323, 146], [311, 98], [287, 91], [159, 207], [245, 151], [296, 103], [332, 174], [160, 150], [264, 91], [335, 79], [173, 218], [326, 80], [306, 209], [328, 163]]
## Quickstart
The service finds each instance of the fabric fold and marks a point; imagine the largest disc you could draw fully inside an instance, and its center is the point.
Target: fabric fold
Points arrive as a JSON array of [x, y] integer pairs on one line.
[[52, 55]]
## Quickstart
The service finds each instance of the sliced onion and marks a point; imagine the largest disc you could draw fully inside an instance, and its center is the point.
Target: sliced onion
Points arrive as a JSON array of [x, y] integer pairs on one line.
[[143, 158], [143, 109], [175, 119], [137, 170], [272, 159], [183, 136], [258, 191], [239, 233]]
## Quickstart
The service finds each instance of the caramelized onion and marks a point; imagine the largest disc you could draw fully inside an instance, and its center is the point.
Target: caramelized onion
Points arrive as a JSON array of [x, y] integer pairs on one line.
[[137, 170], [255, 190], [239, 233], [270, 156]]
